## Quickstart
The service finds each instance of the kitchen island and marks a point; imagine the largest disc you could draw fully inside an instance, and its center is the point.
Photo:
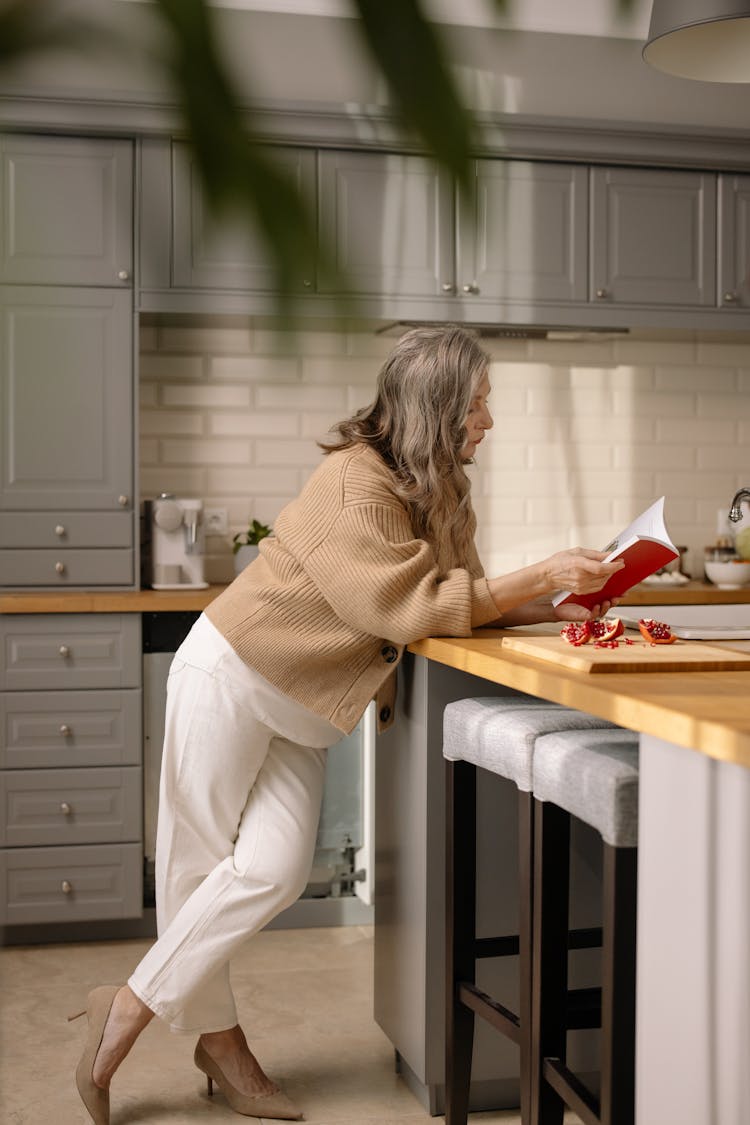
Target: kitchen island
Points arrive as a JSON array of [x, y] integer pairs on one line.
[[693, 1020]]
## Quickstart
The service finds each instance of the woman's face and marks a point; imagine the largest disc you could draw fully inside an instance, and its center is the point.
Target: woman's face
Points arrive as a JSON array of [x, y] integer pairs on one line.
[[478, 419]]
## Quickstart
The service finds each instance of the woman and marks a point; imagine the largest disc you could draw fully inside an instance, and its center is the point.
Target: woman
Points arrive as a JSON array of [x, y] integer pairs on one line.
[[377, 551]]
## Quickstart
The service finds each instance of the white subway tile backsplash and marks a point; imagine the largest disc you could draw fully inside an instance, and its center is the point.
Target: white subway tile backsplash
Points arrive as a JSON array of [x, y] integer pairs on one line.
[[171, 422], [697, 430], [254, 369], [254, 424], [204, 395], [204, 340], [155, 365], [586, 434], [204, 451], [301, 398]]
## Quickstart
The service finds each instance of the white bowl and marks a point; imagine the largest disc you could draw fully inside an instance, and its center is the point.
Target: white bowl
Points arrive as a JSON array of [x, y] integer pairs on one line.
[[728, 575]]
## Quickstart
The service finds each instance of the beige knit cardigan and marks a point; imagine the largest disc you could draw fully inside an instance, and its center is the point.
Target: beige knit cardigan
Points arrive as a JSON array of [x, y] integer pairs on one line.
[[341, 587]]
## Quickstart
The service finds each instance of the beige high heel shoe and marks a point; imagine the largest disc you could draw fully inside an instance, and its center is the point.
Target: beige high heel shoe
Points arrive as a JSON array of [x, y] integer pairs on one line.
[[98, 1006], [277, 1106]]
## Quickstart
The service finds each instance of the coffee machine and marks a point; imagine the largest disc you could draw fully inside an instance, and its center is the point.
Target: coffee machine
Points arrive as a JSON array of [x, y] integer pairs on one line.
[[176, 541]]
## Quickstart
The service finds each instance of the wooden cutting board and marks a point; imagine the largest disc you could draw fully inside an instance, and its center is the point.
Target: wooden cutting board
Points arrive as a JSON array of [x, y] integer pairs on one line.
[[682, 656]]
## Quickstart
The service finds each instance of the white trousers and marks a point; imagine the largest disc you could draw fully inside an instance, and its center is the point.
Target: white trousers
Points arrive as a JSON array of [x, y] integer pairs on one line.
[[239, 806]]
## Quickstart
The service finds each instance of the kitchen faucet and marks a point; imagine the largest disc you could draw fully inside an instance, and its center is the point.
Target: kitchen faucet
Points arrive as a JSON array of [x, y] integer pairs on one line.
[[735, 512]]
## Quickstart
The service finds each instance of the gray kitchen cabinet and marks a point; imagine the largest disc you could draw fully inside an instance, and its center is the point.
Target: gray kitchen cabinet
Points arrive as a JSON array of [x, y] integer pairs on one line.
[[71, 779], [67, 439], [67, 214], [388, 222], [734, 242], [67, 470], [653, 237], [522, 233], [207, 254]]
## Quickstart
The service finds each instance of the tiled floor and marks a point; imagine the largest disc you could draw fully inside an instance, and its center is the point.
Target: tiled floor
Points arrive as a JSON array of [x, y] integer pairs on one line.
[[305, 998]]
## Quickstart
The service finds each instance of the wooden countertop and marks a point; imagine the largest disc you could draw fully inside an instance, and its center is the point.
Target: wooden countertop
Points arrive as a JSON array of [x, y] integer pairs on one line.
[[164, 601], [704, 711], [109, 601]]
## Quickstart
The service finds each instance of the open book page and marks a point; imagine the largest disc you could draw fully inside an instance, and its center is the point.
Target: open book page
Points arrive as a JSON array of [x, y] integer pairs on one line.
[[649, 524], [644, 545]]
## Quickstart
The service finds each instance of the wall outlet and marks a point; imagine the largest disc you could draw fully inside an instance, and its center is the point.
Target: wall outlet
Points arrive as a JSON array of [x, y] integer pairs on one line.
[[215, 521]]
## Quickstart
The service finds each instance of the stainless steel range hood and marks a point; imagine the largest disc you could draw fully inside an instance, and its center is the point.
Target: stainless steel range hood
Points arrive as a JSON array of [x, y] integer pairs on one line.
[[508, 331]]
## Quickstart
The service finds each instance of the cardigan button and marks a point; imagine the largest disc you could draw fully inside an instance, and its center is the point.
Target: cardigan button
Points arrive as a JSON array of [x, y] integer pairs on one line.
[[389, 654], [385, 714]]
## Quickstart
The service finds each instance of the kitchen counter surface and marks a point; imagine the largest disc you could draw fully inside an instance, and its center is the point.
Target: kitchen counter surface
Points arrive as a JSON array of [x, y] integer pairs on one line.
[[108, 601], [164, 601], [705, 711]]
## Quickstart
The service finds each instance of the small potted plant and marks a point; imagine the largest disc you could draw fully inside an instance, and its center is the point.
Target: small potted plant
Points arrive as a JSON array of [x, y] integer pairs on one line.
[[245, 544]]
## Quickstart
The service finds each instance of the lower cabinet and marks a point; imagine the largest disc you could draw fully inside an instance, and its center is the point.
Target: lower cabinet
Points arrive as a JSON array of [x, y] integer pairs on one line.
[[71, 789]]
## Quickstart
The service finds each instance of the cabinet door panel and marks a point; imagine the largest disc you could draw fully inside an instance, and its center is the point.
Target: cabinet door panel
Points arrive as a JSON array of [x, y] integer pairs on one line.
[[229, 255], [524, 235], [80, 806], [71, 884], [388, 221], [67, 214], [66, 387], [653, 237], [69, 650], [734, 244], [70, 728]]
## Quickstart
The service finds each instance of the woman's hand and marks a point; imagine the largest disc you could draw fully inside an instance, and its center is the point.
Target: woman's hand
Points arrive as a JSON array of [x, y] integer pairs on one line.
[[573, 612], [581, 571]]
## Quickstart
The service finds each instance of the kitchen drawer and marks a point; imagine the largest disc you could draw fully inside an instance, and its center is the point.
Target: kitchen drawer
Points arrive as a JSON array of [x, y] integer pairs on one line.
[[71, 884], [65, 568], [70, 650], [70, 728], [81, 806], [66, 529]]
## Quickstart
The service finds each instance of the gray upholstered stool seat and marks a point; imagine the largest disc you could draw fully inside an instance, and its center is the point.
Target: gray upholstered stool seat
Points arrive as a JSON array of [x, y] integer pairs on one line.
[[592, 775], [497, 734]]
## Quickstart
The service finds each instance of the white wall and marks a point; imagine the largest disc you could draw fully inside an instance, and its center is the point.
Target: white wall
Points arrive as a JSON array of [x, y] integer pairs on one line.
[[586, 433]]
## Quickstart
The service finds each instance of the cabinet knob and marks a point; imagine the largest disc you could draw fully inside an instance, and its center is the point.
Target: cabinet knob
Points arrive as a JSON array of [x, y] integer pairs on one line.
[[123, 275], [729, 298], [65, 730], [60, 530], [64, 650], [123, 501], [602, 294], [448, 287], [473, 288], [307, 283], [66, 887], [65, 808], [60, 567]]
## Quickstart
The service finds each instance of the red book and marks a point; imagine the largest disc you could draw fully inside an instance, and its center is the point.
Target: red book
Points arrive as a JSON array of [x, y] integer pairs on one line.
[[644, 545]]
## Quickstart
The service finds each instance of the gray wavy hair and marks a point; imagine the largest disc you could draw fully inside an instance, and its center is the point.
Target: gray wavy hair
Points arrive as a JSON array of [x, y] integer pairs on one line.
[[417, 425]]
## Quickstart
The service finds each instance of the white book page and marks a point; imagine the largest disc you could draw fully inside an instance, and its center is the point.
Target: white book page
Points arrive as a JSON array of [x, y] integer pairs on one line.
[[648, 525]]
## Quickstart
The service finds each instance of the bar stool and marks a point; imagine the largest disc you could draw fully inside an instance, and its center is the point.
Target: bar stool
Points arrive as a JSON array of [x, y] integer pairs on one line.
[[591, 775], [497, 734]]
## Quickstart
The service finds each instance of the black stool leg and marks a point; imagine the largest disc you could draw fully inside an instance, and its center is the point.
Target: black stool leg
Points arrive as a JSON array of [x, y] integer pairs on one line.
[[460, 935], [525, 932], [550, 955], [617, 1097]]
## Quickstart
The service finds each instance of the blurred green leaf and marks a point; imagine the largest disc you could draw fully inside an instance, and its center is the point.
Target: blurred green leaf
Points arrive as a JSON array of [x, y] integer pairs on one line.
[[411, 56], [28, 28]]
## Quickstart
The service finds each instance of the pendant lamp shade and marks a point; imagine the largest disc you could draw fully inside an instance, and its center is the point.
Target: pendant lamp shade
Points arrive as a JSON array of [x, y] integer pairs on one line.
[[704, 39]]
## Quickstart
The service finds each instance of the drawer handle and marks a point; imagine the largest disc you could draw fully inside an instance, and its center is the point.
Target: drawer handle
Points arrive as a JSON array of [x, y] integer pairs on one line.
[[66, 887], [60, 530], [65, 730], [65, 808], [60, 567], [64, 651]]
